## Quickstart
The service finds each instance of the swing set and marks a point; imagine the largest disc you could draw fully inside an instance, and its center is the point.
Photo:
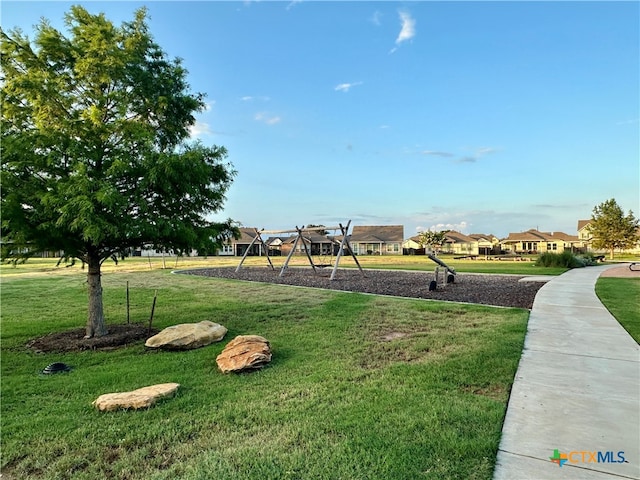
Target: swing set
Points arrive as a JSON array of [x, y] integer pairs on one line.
[[299, 237]]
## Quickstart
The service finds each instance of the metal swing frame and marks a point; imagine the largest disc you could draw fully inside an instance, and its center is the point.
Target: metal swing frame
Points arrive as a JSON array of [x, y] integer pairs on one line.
[[300, 236]]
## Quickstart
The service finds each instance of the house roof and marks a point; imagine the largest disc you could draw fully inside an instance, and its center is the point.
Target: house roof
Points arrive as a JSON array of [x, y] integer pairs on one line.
[[246, 235], [534, 235], [482, 237], [275, 241], [456, 237], [583, 223], [377, 233]]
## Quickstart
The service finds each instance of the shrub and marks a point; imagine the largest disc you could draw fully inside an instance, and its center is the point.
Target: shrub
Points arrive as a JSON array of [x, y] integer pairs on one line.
[[565, 259]]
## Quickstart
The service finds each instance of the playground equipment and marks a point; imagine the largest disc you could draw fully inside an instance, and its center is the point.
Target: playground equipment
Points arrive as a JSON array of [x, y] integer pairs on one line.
[[344, 243], [444, 274]]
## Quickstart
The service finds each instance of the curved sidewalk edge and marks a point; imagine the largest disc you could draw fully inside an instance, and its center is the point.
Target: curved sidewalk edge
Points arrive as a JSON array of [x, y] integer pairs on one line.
[[576, 394]]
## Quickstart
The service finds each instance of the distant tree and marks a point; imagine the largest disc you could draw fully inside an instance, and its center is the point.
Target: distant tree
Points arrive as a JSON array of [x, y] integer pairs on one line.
[[434, 240], [611, 228], [94, 159], [320, 229]]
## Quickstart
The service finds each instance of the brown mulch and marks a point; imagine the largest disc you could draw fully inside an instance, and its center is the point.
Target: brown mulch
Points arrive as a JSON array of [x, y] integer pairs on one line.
[[73, 340], [498, 290]]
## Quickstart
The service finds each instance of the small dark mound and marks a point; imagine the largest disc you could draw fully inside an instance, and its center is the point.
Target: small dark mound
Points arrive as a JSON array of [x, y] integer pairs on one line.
[[73, 340]]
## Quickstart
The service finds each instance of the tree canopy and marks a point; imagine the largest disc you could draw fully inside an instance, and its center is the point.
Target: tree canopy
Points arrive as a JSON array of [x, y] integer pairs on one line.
[[611, 228], [95, 152], [432, 239]]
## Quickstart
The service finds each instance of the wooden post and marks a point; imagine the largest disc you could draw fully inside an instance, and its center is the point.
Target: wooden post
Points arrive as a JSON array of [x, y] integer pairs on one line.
[[153, 308], [306, 249], [246, 253], [266, 248], [128, 317], [286, 262], [345, 241]]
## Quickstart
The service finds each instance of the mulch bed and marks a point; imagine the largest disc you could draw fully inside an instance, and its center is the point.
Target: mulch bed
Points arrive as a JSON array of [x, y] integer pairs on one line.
[[73, 340], [498, 290]]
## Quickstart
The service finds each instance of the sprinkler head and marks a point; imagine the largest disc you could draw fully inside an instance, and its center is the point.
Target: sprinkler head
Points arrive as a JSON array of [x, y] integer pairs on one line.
[[56, 367]]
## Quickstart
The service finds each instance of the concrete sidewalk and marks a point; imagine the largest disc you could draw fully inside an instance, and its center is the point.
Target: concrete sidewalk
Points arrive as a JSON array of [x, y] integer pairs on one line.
[[577, 389]]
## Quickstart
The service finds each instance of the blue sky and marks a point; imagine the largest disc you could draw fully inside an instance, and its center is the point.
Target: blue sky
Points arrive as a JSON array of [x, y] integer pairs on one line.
[[483, 117]]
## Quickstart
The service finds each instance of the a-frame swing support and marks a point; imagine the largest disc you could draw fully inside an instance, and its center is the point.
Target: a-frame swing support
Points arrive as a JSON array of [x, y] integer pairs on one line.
[[300, 236]]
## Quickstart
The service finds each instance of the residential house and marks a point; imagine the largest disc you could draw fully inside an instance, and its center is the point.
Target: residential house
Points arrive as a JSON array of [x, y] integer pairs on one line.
[[238, 247], [586, 237], [584, 234], [487, 244], [377, 240], [534, 241], [412, 246], [274, 244], [459, 244], [316, 244]]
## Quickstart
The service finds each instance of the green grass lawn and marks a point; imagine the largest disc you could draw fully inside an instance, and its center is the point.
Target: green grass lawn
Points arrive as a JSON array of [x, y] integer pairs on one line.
[[621, 296], [404, 262], [338, 400]]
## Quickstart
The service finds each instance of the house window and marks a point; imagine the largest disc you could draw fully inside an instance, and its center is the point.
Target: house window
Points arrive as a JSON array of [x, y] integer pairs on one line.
[[393, 247]]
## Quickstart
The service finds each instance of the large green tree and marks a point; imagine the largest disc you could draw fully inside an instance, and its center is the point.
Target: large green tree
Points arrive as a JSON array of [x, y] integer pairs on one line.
[[611, 228], [95, 152]]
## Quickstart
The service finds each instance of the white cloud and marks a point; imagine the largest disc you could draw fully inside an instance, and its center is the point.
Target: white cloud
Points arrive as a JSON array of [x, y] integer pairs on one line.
[[436, 153], [344, 87], [266, 118], [408, 30], [375, 18], [251, 98], [461, 227], [486, 150], [467, 160], [200, 129]]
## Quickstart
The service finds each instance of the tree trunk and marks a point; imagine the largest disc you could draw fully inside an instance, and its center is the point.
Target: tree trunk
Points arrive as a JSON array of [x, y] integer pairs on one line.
[[611, 254], [95, 322]]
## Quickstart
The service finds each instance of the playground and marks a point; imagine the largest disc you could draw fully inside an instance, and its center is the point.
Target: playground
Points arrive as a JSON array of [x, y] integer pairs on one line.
[[498, 290]]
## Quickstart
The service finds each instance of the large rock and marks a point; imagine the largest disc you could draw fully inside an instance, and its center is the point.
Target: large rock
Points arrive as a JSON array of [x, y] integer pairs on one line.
[[141, 398], [245, 352], [187, 336]]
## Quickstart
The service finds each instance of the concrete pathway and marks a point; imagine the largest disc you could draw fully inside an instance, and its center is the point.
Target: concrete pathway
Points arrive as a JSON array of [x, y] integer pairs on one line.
[[577, 389]]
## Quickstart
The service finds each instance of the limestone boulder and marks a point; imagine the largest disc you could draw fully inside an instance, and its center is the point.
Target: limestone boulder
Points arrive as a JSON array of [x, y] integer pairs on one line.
[[187, 336], [140, 398], [245, 352]]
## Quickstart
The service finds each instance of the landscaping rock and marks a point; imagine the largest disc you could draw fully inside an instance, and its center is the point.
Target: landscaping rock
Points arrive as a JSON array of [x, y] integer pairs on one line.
[[245, 352], [141, 398], [187, 336]]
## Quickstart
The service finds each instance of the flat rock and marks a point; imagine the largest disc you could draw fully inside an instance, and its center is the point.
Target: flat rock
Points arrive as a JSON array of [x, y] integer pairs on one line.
[[140, 398], [245, 352], [187, 336]]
